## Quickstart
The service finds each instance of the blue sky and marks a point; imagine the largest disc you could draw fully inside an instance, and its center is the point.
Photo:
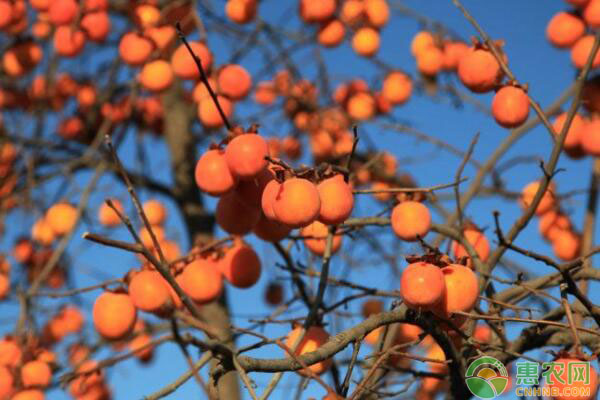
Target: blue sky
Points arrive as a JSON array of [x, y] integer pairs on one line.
[[521, 24]]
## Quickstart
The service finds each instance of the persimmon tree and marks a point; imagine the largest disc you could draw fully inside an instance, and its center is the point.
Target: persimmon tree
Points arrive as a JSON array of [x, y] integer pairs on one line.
[[192, 176]]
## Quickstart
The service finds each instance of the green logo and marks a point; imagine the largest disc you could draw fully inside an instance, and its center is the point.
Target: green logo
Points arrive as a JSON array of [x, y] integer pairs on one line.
[[486, 377]]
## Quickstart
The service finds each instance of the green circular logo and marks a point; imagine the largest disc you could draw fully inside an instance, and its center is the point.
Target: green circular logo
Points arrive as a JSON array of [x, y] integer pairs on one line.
[[486, 377]]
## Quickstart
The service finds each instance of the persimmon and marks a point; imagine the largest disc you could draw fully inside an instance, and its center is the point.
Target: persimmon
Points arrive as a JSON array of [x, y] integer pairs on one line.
[[406, 333], [5, 13], [352, 11], [366, 41], [245, 155], [510, 106], [95, 5], [29, 394], [70, 319], [86, 96], [377, 12], [297, 202], [361, 106], [265, 93], [146, 15], [161, 36], [146, 238], [482, 333], [251, 191], [314, 338], [590, 137], [62, 12], [241, 11], [201, 280], [397, 87], [321, 144], [149, 291], [331, 33], [479, 70], [61, 218], [142, 348], [316, 238], [584, 388], [337, 200], [40, 5], [36, 373], [316, 11], [591, 14], [68, 42], [421, 41], [372, 337], [410, 219], [422, 285], [23, 250], [430, 60], [212, 174], [107, 216], [270, 230], [209, 114], [234, 81], [114, 315], [547, 202], [461, 291], [184, 65], [97, 25], [240, 265], [274, 294], [88, 376], [7, 382], [574, 135], [155, 211], [578, 3], [370, 307], [453, 52], [551, 222], [479, 242], [10, 352], [581, 50], [381, 196], [135, 49], [4, 286], [270, 193], [235, 216], [564, 29], [291, 147], [156, 75], [566, 245], [21, 58]]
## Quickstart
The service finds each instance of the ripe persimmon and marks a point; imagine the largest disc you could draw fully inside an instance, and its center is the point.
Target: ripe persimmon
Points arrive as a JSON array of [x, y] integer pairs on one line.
[[583, 388], [461, 291], [7, 382], [4, 286], [453, 52], [510, 106], [316, 238], [377, 12], [36, 373], [297, 202], [331, 33], [422, 285], [590, 137], [114, 315], [235, 216], [149, 291], [551, 222], [62, 12], [430, 60], [270, 230], [245, 155], [564, 29], [361, 106], [269, 194], [23, 250], [146, 238], [209, 114], [479, 242], [421, 41], [591, 14], [96, 25], [251, 191], [234, 81], [352, 11], [61, 218], [321, 144], [265, 93], [10, 352], [314, 338], [183, 64], [366, 41], [397, 87], [572, 141], [88, 376], [6, 14], [107, 216], [479, 70], [19, 59], [410, 219], [240, 265], [566, 245], [547, 202], [337, 200], [155, 211], [201, 280], [135, 49], [68, 42], [212, 174], [581, 50], [156, 75], [241, 11], [29, 394], [316, 11], [141, 346]]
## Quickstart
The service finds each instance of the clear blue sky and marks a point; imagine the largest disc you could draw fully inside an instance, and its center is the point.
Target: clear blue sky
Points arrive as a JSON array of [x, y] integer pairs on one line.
[[521, 24]]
